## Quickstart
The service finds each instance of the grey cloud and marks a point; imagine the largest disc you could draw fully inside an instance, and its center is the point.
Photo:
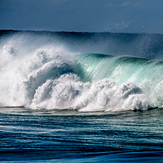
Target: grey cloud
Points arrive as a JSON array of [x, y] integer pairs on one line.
[[124, 4]]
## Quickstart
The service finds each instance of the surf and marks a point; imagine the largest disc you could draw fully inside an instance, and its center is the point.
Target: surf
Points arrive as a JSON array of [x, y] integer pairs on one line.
[[80, 71]]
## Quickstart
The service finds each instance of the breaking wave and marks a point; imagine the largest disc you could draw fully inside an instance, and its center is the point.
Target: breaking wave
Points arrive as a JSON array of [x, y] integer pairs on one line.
[[41, 70]]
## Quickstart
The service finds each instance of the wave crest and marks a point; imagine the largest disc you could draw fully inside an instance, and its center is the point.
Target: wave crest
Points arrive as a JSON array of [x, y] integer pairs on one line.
[[47, 75]]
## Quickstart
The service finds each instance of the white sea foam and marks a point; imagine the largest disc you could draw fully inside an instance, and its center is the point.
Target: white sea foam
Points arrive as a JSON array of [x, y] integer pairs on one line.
[[51, 77], [48, 79]]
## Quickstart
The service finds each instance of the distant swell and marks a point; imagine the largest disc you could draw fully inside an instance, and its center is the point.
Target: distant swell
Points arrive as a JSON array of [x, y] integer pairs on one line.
[[49, 71]]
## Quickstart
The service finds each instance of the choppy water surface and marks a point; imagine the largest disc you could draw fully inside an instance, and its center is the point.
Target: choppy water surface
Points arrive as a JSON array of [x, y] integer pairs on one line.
[[66, 136]]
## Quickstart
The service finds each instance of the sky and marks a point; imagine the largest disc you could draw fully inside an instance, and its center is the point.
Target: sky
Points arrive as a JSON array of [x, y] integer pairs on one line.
[[131, 16]]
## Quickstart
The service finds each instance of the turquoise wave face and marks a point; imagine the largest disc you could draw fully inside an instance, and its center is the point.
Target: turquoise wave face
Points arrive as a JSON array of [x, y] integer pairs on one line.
[[119, 68], [50, 73], [146, 74]]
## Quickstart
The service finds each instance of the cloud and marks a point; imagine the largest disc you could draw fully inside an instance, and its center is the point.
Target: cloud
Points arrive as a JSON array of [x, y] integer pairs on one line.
[[58, 1], [110, 5], [124, 4], [117, 26]]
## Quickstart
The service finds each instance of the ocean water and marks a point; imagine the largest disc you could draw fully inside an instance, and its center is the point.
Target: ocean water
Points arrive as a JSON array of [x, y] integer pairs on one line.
[[81, 97]]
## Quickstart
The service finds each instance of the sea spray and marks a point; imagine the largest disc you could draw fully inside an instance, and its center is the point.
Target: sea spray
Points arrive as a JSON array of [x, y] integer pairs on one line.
[[51, 81], [50, 73]]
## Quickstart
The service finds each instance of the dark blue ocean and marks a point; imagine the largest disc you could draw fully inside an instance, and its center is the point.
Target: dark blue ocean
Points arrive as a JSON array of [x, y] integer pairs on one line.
[[81, 97]]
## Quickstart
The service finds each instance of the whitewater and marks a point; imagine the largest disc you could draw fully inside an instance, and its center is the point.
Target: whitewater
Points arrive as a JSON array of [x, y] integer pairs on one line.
[[80, 97], [81, 71]]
